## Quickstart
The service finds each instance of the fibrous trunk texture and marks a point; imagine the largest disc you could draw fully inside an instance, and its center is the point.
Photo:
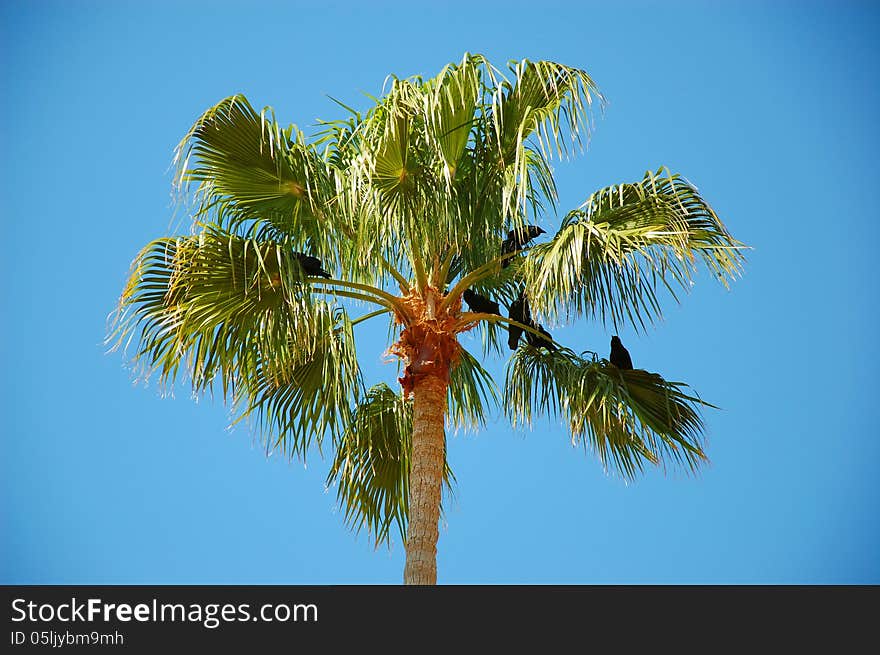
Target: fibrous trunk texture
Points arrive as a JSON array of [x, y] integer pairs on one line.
[[430, 350], [425, 480]]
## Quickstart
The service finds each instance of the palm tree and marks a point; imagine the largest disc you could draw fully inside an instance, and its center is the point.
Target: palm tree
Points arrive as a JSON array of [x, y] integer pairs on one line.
[[403, 208]]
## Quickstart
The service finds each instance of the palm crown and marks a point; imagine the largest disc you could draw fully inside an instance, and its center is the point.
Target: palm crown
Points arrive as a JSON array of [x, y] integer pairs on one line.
[[407, 206]]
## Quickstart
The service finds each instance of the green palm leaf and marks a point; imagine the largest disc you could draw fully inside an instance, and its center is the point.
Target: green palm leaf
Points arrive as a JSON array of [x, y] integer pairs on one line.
[[612, 256], [207, 302], [472, 392], [628, 417], [452, 101], [372, 464], [247, 168], [547, 99], [304, 391], [549, 104]]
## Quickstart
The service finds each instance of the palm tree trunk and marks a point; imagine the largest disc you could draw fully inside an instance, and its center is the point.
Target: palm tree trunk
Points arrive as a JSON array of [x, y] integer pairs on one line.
[[425, 480]]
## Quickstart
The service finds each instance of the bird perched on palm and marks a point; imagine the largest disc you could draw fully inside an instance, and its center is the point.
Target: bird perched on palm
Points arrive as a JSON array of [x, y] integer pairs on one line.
[[517, 239], [536, 335], [311, 265], [480, 303], [541, 340], [520, 314], [619, 355]]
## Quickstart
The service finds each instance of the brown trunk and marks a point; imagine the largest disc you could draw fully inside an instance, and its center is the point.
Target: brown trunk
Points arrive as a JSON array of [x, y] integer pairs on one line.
[[430, 349], [425, 480]]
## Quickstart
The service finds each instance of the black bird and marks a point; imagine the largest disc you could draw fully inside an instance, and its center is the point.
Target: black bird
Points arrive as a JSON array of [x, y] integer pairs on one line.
[[519, 312], [480, 303], [534, 340], [620, 355], [311, 265], [517, 240]]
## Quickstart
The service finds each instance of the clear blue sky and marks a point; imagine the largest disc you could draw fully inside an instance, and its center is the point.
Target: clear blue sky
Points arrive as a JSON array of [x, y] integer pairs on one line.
[[769, 108]]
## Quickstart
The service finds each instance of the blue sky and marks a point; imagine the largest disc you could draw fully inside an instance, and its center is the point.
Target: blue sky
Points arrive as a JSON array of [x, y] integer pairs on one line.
[[769, 108]]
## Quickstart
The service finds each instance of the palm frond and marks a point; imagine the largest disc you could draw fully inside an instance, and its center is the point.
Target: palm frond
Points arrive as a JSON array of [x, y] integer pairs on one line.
[[546, 103], [472, 392], [450, 106], [304, 391], [628, 417], [372, 464], [552, 101], [247, 168], [391, 184], [207, 302], [611, 256]]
